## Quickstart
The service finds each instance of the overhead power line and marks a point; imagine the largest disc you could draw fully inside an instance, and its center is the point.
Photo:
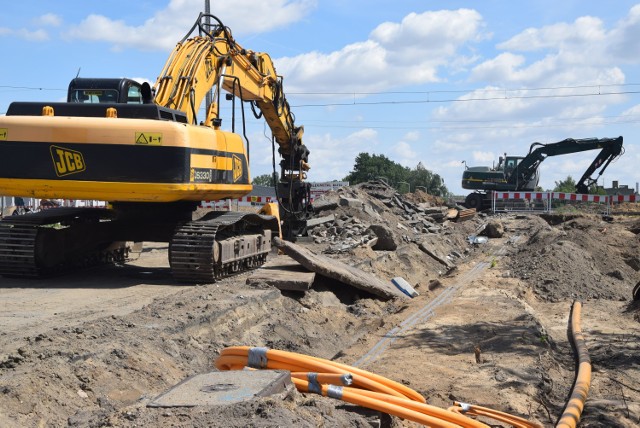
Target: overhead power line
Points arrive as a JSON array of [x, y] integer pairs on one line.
[[450, 91], [30, 88], [453, 100], [504, 94]]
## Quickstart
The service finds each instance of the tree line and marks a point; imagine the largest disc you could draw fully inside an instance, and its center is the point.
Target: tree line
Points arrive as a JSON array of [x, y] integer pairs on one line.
[[378, 167]]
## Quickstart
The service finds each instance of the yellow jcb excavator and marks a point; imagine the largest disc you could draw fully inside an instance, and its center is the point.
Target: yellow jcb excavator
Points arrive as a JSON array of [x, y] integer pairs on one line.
[[144, 150]]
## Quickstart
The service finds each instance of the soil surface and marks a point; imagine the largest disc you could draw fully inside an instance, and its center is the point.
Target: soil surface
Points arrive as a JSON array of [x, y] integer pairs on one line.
[[489, 326]]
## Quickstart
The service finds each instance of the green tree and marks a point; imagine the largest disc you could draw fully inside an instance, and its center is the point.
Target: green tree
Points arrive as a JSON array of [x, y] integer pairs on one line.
[[263, 180], [568, 185], [422, 177], [370, 167]]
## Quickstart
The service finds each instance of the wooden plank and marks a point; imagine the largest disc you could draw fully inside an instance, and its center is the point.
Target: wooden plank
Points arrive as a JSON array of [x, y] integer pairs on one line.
[[284, 273], [337, 270], [466, 214]]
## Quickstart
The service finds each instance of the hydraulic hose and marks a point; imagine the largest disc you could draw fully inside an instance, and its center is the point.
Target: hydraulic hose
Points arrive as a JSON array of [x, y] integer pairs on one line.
[[574, 406], [360, 387]]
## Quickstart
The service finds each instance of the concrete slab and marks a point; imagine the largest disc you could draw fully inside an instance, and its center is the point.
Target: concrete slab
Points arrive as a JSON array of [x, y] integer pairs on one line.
[[284, 273], [315, 221], [338, 270], [224, 388]]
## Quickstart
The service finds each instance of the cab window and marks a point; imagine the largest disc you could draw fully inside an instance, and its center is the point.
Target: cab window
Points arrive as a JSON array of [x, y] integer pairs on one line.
[[134, 96], [94, 96]]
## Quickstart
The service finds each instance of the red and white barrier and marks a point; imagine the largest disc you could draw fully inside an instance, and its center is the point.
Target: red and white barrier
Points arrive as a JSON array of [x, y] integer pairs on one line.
[[624, 198], [529, 200], [521, 195], [579, 197], [566, 197]]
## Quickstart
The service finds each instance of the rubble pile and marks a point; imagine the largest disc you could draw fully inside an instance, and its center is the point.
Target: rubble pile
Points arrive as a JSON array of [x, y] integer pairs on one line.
[[375, 215]]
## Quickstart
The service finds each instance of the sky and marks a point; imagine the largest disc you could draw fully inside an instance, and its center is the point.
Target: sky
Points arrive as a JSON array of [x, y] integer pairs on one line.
[[430, 82]]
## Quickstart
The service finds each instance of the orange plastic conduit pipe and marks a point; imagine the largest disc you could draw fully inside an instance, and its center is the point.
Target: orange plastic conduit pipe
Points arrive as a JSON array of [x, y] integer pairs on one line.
[[573, 408], [426, 409], [369, 390], [355, 396], [237, 362], [303, 363], [474, 410]]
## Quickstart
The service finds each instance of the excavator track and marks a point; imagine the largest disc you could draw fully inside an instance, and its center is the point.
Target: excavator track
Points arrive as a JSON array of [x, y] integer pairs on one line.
[[219, 245], [17, 250], [40, 244]]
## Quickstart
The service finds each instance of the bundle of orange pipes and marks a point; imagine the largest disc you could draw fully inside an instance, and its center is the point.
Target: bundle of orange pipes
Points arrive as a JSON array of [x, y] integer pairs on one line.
[[360, 387]]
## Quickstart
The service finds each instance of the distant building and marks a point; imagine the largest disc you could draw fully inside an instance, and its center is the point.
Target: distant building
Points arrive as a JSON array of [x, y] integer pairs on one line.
[[617, 189], [318, 189]]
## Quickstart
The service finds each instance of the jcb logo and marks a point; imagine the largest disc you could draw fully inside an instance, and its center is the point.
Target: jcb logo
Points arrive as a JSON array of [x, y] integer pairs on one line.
[[67, 161], [237, 168]]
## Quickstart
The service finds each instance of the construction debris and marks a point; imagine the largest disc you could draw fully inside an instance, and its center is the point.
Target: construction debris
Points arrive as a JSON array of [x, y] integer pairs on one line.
[[283, 273], [465, 214], [335, 269], [225, 388]]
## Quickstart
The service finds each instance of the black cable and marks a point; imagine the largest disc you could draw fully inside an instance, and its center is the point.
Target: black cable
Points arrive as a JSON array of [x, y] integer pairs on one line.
[[257, 115], [193, 107], [236, 81]]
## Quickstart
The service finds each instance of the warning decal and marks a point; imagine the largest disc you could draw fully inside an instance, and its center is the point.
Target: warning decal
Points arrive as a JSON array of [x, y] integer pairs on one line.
[[149, 138], [3, 134], [237, 168]]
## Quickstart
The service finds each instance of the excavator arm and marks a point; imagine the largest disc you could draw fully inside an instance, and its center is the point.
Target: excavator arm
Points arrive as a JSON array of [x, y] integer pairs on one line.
[[213, 61], [611, 148]]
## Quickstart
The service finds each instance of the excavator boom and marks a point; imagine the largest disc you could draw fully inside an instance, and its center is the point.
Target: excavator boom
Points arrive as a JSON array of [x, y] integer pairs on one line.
[[611, 148], [213, 58]]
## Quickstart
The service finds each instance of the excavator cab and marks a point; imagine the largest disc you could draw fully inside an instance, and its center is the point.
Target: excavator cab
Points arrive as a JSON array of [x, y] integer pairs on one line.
[[510, 164], [94, 90]]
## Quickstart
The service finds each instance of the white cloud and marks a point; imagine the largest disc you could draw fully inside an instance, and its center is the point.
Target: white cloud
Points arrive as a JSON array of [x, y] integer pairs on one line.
[[49, 20], [405, 154], [396, 54], [331, 158], [579, 53], [32, 36], [440, 33], [574, 62], [623, 39], [412, 136], [169, 25], [584, 30], [633, 113], [23, 33], [452, 164], [483, 157]]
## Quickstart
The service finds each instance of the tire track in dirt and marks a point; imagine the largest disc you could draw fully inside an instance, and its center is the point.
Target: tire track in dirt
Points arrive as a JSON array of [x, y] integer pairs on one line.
[[428, 310]]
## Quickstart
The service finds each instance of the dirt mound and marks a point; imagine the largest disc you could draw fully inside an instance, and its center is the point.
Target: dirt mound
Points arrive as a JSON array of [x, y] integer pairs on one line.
[[582, 258], [419, 196]]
